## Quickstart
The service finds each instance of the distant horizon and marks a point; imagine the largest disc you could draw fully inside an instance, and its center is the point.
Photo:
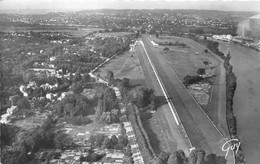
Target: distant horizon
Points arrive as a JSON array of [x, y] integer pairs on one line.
[[46, 11], [78, 5], [72, 10]]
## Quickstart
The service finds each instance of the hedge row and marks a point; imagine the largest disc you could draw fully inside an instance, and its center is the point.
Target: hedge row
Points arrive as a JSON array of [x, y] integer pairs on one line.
[[231, 119], [141, 135], [140, 124]]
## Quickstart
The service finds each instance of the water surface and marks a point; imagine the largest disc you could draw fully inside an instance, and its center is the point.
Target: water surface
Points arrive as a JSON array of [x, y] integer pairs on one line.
[[246, 66]]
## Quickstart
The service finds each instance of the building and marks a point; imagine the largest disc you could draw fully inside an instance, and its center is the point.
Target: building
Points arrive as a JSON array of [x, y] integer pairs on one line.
[[12, 110], [5, 118], [225, 38]]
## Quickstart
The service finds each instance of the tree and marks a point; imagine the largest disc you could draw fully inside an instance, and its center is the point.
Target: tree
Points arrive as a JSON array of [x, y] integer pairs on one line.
[[105, 118], [228, 57], [99, 140], [110, 99], [193, 157], [123, 140], [68, 109], [92, 140], [128, 150], [200, 156], [181, 156], [163, 157], [166, 49], [62, 140], [187, 80], [99, 109], [110, 77], [107, 143], [77, 88], [114, 140], [128, 160], [201, 71], [85, 78], [142, 97], [27, 76], [126, 82], [114, 116], [77, 77], [93, 157], [152, 31], [206, 51], [8, 134], [123, 131], [173, 158], [118, 146], [156, 34], [23, 103], [197, 156]]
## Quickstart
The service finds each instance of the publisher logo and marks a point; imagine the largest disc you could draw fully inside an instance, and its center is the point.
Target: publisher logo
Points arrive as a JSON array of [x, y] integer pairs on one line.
[[232, 144]]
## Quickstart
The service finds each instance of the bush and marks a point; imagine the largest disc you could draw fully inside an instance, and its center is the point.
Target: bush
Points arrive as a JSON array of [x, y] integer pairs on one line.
[[213, 46], [201, 71], [166, 49], [188, 80]]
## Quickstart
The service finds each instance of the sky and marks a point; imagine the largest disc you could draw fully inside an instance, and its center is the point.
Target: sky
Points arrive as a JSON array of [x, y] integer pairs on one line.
[[228, 5]]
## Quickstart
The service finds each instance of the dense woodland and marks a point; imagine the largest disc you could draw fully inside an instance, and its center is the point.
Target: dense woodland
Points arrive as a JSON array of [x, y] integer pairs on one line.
[[20, 51], [74, 58]]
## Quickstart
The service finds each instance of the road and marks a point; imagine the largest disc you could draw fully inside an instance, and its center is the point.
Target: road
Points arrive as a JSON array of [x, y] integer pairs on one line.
[[202, 133]]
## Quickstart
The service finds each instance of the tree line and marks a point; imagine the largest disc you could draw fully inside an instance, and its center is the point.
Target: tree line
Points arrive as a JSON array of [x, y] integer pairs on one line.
[[231, 84]]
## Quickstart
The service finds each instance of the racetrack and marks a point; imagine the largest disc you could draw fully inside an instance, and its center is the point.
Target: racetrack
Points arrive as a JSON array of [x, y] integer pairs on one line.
[[171, 135], [202, 133]]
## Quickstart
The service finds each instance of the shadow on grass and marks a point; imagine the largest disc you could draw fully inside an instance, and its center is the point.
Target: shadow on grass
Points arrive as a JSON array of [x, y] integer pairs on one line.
[[134, 85], [159, 101], [155, 143], [214, 159]]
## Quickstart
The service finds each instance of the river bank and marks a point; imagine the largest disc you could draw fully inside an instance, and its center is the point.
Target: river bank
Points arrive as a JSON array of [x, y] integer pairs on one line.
[[246, 66]]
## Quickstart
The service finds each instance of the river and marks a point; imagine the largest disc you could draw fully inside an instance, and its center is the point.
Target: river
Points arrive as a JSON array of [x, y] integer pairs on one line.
[[246, 66]]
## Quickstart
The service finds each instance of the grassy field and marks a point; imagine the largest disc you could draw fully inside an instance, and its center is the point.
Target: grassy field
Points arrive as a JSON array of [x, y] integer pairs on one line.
[[185, 61], [124, 66]]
